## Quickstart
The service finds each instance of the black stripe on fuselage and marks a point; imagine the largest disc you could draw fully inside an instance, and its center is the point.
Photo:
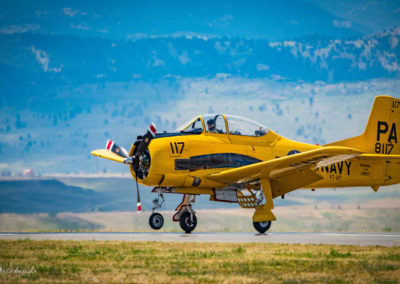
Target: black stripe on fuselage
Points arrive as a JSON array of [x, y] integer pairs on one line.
[[214, 161]]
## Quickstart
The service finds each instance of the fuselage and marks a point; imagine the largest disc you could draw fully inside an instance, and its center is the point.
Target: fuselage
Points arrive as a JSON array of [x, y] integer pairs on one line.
[[185, 160]]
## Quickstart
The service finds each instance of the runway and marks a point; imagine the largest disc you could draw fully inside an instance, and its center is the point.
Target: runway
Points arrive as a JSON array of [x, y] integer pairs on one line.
[[361, 239]]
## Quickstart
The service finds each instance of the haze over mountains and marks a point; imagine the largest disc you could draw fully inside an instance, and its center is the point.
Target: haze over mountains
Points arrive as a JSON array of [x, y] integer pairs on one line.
[[75, 74]]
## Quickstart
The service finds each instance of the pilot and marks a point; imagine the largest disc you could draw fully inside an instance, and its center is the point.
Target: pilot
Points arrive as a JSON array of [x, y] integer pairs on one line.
[[211, 126]]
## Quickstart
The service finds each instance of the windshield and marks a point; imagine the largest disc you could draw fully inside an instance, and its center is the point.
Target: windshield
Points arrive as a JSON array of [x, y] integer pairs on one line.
[[194, 127], [215, 123], [243, 126]]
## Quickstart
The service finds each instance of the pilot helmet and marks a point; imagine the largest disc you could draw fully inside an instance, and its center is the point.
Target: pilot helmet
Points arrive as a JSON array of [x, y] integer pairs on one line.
[[211, 124]]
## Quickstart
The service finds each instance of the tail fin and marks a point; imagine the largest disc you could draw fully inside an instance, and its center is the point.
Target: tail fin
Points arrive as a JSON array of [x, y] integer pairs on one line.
[[382, 134]]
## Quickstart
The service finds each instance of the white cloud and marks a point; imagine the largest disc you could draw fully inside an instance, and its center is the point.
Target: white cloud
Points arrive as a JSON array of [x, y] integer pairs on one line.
[[222, 21], [342, 24], [262, 67], [289, 43], [18, 29], [277, 77], [44, 60], [105, 30], [70, 12], [389, 62], [155, 61], [80, 27], [394, 42], [184, 58], [41, 57], [39, 13]]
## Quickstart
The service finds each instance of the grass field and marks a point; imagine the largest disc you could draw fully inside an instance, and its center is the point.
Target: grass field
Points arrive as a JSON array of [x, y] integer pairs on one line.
[[156, 262]]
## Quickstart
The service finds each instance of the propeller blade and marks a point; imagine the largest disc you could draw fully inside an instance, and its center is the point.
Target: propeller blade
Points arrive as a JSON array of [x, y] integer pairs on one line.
[[120, 151], [139, 205], [150, 134]]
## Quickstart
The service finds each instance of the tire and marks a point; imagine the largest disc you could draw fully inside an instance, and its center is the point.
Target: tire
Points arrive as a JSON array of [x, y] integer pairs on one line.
[[262, 227], [156, 221], [186, 224]]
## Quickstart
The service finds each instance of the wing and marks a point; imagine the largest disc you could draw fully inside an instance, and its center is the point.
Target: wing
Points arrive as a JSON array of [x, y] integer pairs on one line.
[[379, 156], [104, 153], [290, 172]]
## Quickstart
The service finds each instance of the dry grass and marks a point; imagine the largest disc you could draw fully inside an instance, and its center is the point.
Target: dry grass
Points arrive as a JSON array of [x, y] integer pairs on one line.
[[151, 262]]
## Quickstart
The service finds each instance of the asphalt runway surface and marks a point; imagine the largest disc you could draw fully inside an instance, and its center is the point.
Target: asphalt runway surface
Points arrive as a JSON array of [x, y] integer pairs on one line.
[[362, 239]]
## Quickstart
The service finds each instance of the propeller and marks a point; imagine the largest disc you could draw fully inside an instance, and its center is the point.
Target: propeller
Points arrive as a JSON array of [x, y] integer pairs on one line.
[[120, 151], [140, 160]]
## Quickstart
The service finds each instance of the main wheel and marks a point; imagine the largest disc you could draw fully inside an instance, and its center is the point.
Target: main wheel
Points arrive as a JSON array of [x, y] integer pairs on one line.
[[262, 227], [156, 221], [186, 223]]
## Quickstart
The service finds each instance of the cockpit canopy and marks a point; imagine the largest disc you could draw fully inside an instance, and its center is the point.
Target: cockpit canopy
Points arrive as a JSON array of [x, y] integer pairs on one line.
[[222, 124]]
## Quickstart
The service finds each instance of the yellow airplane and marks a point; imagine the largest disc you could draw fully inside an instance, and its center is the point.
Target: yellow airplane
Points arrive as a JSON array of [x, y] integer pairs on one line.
[[235, 159]]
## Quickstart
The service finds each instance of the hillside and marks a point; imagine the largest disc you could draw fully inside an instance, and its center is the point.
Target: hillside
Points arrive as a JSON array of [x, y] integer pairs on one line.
[[35, 196], [122, 20], [53, 196], [42, 65]]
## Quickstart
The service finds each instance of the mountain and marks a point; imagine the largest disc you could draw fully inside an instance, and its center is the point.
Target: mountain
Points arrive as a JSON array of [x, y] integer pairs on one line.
[[36, 69], [35, 196], [372, 15], [53, 196], [120, 20]]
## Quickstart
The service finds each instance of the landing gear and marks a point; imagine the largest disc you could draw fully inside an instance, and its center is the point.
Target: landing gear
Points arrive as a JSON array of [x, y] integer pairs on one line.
[[156, 221], [262, 227], [186, 215], [188, 222], [263, 215]]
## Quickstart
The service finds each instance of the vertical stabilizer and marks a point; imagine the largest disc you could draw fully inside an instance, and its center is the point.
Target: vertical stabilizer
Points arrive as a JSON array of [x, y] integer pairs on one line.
[[382, 133]]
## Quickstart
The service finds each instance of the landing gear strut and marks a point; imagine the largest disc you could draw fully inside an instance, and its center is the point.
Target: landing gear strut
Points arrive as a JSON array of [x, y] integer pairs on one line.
[[261, 227], [263, 215], [156, 220]]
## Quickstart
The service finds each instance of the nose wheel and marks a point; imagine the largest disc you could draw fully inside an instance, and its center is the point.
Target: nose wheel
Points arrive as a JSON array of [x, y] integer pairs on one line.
[[156, 221]]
